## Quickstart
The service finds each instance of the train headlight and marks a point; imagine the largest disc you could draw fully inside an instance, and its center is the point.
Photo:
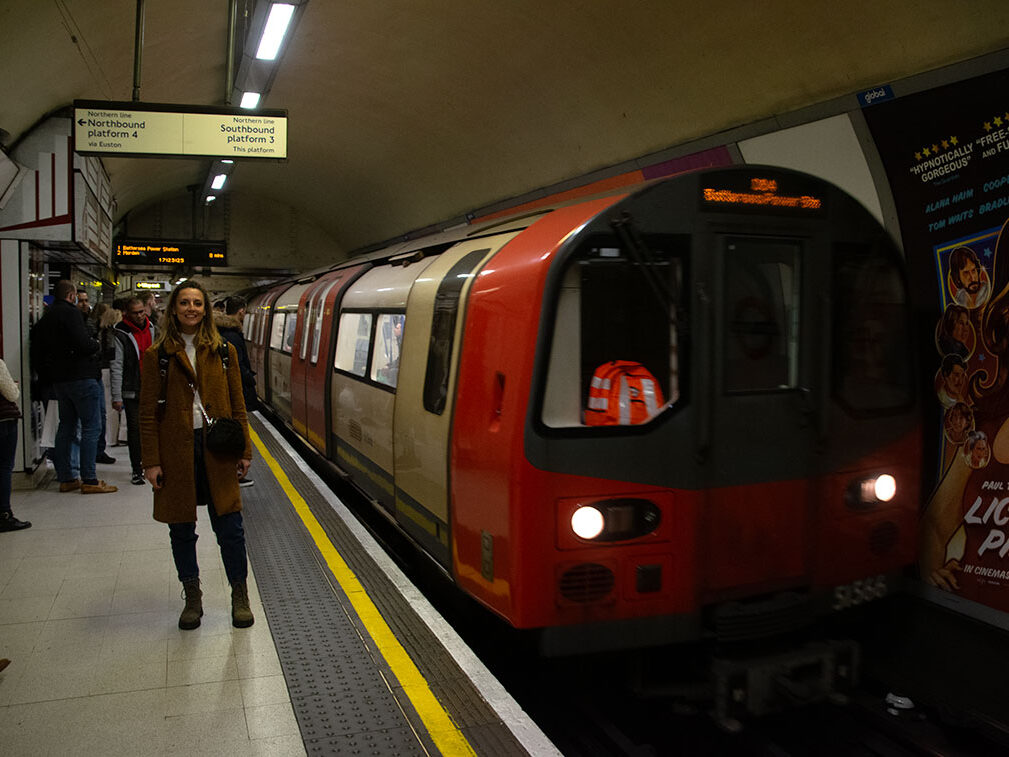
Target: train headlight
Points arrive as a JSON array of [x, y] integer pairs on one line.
[[872, 490], [885, 487], [610, 520], [587, 522]]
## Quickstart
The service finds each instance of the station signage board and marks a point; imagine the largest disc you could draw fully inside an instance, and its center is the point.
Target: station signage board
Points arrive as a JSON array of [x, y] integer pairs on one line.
[[170, 252], [164, 130]]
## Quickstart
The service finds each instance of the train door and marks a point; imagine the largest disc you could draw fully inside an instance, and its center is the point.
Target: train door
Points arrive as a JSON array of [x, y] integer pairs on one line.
[[317, 344], [758, 389], [261, 354], [307, 312], [425, 398]]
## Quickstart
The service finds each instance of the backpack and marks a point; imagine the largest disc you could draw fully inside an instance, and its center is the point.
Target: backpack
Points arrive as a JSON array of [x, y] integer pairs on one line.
[[622, 393]]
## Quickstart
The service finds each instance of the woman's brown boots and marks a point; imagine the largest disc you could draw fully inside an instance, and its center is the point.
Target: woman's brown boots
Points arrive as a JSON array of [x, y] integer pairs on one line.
[[241, 614], [193, 611]]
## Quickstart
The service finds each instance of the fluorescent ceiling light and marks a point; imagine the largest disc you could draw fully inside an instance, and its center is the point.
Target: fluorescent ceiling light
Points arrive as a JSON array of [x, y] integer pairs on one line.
[[218, 181], [250, 99], [273, 34]]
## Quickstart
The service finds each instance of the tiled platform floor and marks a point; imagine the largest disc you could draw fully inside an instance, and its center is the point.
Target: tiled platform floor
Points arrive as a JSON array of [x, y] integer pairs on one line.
[[89, 605]]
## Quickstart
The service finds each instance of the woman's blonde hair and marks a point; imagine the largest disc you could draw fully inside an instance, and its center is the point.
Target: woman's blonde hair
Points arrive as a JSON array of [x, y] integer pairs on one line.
[[206, 334], [107, 315]]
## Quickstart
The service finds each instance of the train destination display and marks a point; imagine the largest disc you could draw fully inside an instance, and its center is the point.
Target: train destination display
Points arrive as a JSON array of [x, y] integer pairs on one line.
[[168, 252], [172, 130]]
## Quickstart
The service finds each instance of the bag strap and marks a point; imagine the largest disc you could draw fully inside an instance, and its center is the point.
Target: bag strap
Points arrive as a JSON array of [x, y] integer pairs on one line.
[[163, 359]]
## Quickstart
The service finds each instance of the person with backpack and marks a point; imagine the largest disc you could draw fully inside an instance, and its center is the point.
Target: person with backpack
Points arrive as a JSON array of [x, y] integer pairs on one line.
[[229, 324], [134, 334], [191, 375]]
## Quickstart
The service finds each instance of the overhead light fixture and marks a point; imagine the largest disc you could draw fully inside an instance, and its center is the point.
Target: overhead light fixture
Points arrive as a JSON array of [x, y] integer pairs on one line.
[[273, 34], [211, 198], [218, 182], [250, 99]]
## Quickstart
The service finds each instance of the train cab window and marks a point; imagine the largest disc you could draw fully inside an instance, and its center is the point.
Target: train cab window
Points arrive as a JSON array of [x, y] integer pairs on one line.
[[761, 315], [352, 343], [277, 336], [289, 329], [388, 341], [622, 307], [872, 341]]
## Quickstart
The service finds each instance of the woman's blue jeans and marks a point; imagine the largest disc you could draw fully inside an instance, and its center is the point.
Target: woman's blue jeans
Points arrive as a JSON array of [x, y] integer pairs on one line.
[[8, 446], [228, 528]]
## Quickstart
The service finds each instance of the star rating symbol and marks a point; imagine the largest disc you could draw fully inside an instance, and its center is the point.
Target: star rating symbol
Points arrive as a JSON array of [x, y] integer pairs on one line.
[[998, 121], [987, 126]]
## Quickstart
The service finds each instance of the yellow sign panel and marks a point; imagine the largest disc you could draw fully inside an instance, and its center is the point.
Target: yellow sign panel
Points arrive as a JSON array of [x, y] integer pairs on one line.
[[228, 133]]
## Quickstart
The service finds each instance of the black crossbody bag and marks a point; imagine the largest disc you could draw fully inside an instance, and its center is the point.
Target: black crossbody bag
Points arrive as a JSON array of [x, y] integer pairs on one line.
[[224, 437]]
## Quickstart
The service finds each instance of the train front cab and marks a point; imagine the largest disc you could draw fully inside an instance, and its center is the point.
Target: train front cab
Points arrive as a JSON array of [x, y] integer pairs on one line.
[[778, 335]]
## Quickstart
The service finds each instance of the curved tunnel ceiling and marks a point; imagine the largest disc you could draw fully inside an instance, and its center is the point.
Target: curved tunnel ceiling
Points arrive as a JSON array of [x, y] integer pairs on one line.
[[405, 114]]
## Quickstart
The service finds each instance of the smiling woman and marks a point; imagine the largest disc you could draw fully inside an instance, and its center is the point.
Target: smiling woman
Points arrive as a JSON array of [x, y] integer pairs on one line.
[[191, 377]]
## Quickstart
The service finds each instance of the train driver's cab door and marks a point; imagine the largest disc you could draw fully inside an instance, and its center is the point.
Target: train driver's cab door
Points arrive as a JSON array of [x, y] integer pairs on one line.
[[760, 385]]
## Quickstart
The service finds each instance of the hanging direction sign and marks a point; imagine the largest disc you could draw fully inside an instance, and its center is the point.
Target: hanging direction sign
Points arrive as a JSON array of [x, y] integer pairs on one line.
[[149, 129]]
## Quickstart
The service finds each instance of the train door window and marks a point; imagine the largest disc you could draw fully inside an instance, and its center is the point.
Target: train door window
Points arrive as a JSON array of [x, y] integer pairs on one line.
[[352, 343], [277, 337], [388, 341], [289, 329], [761, 315], [310, 310], [446, 310], [317, 328], [618, 303], [872, 341]]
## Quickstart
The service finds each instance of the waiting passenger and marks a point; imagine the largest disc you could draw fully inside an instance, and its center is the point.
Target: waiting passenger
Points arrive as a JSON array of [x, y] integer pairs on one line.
[[183, 473]]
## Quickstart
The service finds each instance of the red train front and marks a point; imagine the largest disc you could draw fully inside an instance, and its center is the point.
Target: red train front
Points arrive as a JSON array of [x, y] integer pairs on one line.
[[779, 477]]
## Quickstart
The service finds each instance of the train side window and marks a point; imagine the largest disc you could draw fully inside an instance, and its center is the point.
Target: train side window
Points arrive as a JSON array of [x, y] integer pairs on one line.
[[446, 311], [871, 332], [317, 330], [289, 329], [761, 315], [277, 336], [623, 305], [388, 342], [352, 343]]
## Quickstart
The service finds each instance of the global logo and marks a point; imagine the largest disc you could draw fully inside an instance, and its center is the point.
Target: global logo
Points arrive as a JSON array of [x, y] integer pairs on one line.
[[878, 94]]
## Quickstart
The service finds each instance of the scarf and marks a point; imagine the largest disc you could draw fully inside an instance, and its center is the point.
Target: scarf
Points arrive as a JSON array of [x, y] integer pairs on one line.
[[143, 336]]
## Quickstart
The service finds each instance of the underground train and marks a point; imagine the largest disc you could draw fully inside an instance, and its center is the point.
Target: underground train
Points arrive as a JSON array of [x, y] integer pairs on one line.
[[684, 411]]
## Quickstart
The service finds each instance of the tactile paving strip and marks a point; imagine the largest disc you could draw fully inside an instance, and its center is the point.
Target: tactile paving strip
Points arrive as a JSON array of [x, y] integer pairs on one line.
[[345, 697]]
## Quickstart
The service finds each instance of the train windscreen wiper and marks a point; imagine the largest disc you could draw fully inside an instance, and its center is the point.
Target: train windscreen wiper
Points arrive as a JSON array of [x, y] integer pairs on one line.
[[639, 251]]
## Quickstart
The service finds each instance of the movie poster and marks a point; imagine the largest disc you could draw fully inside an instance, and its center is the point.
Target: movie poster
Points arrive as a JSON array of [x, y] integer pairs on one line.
[[946, 154]]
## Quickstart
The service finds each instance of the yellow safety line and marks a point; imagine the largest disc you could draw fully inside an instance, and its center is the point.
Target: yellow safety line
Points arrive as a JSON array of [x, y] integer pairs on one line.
[[442, 729]]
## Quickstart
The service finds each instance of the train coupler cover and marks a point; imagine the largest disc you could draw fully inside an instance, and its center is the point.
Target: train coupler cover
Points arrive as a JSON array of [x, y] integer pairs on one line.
[[761, 685]]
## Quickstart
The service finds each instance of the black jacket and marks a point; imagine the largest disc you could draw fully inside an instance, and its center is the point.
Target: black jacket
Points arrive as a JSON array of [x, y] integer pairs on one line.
[[61, 349], [230, 329]]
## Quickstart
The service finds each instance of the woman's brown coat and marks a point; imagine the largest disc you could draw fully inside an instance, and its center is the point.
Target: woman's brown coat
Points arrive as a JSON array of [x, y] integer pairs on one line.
[[169, 442]]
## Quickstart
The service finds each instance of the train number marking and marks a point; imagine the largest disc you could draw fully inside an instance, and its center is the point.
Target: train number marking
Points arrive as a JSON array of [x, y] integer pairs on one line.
[[859, 592]]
